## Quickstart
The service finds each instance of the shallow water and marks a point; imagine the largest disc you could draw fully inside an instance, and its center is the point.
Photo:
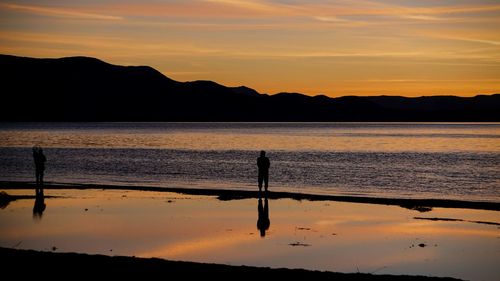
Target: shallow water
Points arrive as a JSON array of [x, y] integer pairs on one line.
[[431, 160], [323, 235]]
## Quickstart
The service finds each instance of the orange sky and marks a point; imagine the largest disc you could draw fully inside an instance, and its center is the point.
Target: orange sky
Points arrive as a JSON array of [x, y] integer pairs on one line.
[[332, 47]]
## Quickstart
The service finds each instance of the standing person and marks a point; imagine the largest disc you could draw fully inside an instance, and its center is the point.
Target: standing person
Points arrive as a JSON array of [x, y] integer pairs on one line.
[[40, 160], [263, 165]]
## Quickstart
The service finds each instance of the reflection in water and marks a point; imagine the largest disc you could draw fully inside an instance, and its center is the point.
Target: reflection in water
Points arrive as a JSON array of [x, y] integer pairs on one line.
[[39, 206], [344, 236], [263, 222]]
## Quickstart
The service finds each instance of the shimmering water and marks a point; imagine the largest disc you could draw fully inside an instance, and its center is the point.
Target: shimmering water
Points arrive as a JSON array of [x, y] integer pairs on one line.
[[435, 160]]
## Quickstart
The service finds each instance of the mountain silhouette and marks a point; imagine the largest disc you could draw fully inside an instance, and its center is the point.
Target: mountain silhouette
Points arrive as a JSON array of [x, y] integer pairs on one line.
[[88, 89]]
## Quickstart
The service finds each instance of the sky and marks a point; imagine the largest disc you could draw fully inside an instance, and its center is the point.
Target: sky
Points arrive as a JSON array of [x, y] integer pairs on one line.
[[330, 47]]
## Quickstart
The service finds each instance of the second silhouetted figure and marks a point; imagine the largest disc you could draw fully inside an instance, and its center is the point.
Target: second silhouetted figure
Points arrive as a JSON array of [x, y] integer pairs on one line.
[[263, 164], [40, 160]]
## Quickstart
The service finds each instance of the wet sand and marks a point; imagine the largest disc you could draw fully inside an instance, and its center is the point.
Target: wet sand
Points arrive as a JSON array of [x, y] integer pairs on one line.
[[303, 231], [64, 265], [422, 205]]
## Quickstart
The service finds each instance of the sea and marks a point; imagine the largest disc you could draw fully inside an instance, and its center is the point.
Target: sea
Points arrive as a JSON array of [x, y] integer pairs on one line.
[[396, 160]]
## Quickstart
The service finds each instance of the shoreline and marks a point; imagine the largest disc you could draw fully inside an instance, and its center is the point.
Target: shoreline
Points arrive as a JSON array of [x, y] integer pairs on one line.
[[421, 205], [152, 231], [135, 267]]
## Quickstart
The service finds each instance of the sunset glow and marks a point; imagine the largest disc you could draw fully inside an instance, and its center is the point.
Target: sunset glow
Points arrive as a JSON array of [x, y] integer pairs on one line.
[[332, 47], [321, 235]]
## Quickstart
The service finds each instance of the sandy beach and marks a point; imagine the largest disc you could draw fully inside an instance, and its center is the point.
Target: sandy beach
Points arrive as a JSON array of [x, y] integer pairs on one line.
[[132, 267], [231, 194], [373, 236]]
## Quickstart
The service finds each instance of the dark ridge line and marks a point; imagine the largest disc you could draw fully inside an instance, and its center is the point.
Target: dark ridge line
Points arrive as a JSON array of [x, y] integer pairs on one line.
[[89, 89]]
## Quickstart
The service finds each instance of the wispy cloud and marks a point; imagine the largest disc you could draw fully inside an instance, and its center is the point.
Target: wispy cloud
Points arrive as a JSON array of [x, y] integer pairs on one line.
[[349, 54], [458, 9], [331, 19], [108, 44], [475, 40], [481, 36], [427, 80], [423, 17], [273, 40], [202, 9], [386, 9], [253, 5], [327, 12], [376, 13], [58, 12]]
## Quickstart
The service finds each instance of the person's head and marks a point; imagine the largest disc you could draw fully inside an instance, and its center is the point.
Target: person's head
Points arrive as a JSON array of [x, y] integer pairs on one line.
[[262, 153]]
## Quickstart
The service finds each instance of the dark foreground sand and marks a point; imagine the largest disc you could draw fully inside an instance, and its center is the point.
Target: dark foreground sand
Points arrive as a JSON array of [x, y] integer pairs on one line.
[[421, 205], [58, 266]]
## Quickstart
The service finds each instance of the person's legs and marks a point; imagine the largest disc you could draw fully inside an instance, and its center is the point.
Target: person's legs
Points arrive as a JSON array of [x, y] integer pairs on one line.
[[37, 177], [41, 177], [266, 180], [261, 178]]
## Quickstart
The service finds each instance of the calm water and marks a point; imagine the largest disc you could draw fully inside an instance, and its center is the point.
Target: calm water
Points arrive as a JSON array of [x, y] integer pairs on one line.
[[320, 235], [376, 159]]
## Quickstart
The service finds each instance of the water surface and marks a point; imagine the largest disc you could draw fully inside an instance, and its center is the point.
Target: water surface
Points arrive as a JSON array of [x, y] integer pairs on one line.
[[320, 235], [431, 160]]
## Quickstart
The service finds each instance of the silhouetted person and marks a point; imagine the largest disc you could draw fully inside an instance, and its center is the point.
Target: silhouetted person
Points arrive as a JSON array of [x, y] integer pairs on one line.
[[39, 206], [263, 222], [263, 165], [40, 160]]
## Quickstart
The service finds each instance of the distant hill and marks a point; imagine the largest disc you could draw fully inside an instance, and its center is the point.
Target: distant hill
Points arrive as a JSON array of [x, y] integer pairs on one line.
[[88, 89]]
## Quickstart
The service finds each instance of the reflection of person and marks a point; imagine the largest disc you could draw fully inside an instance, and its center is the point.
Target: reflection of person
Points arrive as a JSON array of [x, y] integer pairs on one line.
[[263, 165], [39, 206], [40, 160], [263, 222]]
